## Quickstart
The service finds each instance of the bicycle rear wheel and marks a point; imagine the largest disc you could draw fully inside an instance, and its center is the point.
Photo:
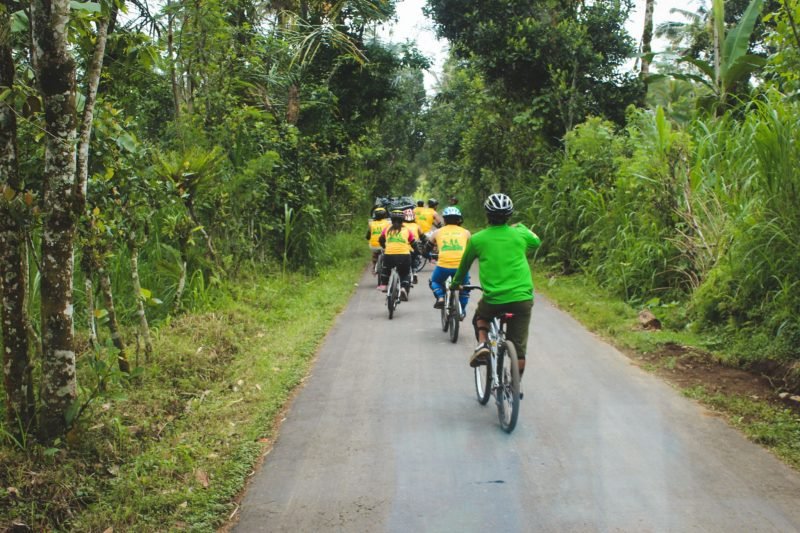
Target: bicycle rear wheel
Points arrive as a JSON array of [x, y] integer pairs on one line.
[[393, 293], [445, 307], [453, 317], [508, 388], [483, 383]]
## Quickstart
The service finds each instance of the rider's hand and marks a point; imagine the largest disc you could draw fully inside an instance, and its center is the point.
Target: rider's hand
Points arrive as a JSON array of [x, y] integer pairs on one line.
[[455, 287]]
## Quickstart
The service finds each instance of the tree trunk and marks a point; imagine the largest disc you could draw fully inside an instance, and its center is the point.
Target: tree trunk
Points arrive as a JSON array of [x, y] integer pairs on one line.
[[56, 78], [177, 305], [144, 328], [293, 104], [13, 263], [647, 38], [92, 82], [89, 290], [176, 100], [113, 325]]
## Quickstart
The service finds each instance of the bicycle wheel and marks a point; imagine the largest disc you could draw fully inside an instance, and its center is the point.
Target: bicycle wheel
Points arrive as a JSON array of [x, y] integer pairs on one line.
[[379, 267], [483, 383], [454, 318], [508, 388], [393, 293], [445, 307]]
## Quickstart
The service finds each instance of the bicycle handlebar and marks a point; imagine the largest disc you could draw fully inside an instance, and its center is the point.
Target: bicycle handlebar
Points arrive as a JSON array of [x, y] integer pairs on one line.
[[470, 287]]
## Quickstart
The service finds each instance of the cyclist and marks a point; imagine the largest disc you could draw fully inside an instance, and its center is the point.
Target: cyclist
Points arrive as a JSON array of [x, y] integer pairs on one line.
[[427, 217], [505, 276], [397, 242], [411, 224], [376, 227], [419, 208], [451, 239]]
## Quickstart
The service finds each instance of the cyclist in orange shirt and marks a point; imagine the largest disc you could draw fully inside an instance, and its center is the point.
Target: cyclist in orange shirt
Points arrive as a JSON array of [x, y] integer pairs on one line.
[[451, 239]]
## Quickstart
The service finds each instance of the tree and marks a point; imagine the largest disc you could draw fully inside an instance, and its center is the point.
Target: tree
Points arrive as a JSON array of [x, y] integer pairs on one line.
[[647, 38]]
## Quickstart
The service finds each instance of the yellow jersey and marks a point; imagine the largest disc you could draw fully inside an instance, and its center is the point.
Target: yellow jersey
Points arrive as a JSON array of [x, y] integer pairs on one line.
[[397, 242], [426, 216], [376, 227], [414, 228], [451, 241]]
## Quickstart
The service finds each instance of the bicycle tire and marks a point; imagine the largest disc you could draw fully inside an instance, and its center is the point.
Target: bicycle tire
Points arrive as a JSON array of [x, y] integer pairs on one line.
[[454, 320], [445, 306], [483, 383], [508, 388], [379, 267], [393, 293]]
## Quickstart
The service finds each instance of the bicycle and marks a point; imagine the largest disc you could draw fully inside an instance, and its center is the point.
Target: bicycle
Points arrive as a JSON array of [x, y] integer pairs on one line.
[[500, 377], [393, 292], [451, 311]]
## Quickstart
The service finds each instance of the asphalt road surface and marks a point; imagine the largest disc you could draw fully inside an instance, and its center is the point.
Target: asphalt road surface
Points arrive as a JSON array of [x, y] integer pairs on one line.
[[387, 435]]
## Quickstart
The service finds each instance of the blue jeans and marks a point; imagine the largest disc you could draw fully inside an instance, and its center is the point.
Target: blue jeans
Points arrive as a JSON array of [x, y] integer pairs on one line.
[[438, 278]]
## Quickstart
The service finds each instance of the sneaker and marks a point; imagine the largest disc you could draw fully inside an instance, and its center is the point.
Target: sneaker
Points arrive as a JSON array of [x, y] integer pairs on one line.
[[480, 355], [439, 304], [462, 315], [415, 280], [382, 288], [403, 295]]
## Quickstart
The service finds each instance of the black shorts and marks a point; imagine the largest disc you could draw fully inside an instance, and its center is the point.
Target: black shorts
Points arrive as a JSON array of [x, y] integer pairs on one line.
[[517, 328]]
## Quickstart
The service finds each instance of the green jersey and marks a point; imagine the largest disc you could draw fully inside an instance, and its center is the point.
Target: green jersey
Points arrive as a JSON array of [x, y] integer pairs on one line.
[[504, 270]]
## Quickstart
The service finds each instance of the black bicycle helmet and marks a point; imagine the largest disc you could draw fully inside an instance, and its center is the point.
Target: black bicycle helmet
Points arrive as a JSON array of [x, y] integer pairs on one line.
[[396, 214], [498, 205], [433, 202], [420, 203], [379, 213]]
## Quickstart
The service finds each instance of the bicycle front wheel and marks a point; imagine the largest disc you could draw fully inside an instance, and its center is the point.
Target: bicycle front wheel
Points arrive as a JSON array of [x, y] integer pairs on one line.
[[508, 388]]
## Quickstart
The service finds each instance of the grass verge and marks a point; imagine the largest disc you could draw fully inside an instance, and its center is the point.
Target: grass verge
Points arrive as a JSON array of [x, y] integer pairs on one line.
[[747, 400], [172, 447]]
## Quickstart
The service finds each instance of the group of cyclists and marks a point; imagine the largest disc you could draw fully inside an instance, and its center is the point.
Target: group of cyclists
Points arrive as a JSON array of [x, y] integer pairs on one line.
[[400, 230]]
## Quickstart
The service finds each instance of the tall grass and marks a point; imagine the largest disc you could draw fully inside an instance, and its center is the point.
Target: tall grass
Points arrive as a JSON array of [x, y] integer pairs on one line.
[[707, 214]]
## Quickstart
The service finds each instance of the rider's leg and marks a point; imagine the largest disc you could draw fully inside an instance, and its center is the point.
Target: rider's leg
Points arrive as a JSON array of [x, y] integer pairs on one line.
[[388, 262], [404, 269], [517, 329], [438, 277]]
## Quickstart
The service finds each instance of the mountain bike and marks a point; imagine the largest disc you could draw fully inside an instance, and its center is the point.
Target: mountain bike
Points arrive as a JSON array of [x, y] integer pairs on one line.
[[500, 377], [393, 292], [451, 311]]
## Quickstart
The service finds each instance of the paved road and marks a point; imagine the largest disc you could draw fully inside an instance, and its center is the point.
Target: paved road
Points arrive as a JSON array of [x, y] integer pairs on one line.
[[387, 436]]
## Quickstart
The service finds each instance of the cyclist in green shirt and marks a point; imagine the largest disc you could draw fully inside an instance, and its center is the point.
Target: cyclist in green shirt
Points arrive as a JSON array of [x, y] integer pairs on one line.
[[505, 276]]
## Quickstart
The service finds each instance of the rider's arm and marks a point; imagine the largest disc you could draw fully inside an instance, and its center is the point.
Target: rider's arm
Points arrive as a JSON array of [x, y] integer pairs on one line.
[[369, 232], [438, 221], [382, 239], [531, 239], [465, 264]]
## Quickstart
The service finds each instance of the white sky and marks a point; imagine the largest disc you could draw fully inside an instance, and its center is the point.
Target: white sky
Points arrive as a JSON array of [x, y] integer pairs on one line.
[[413, 25]]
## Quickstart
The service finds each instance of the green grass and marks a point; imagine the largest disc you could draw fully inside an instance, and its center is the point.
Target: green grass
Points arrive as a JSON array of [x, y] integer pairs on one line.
[[774, 427], [762, 421], [171, 448]]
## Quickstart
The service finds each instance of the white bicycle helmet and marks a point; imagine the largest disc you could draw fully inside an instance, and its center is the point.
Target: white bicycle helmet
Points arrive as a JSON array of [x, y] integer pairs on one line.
[[451, 211], [499, 204], [408, 215]]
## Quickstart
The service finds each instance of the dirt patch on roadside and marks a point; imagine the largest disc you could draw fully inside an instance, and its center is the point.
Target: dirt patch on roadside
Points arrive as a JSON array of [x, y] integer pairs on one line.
[[687, 367]]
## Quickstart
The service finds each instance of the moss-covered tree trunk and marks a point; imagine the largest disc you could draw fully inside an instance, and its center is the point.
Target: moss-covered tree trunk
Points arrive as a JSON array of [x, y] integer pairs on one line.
[[13, 264], [647, 38], [144, 328], [56, 76]]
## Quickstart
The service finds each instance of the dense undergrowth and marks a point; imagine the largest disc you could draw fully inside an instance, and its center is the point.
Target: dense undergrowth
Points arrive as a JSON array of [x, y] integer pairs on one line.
[[170, 446], [700, 218]]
